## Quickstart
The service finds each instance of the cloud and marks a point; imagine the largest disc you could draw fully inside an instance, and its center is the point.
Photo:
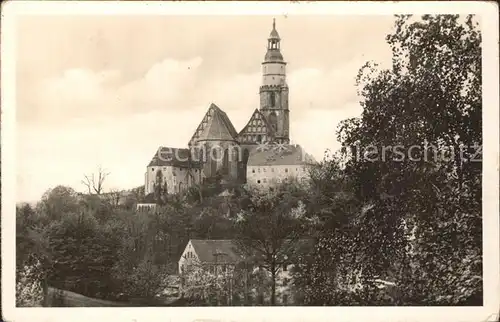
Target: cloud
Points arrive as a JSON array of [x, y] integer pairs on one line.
[[165, 85], [109, 90], [61, 155], [120, 126], [83, 93], [104, 121]]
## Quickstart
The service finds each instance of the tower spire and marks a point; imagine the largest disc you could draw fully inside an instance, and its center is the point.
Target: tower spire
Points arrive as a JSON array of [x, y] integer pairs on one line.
[[274, 23]]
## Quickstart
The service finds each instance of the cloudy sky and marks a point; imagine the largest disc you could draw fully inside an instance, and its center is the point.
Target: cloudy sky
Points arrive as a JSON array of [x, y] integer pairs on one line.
[[108, 90]]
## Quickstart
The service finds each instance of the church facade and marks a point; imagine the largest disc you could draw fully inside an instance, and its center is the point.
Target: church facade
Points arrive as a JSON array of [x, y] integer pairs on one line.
[[259, 154]]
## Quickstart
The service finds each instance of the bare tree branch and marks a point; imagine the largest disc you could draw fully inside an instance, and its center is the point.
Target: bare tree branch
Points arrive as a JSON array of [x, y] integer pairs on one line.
[[94, 183]]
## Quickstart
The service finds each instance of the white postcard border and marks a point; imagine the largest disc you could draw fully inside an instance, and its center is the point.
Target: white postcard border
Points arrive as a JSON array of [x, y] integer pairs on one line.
[[489, 22]]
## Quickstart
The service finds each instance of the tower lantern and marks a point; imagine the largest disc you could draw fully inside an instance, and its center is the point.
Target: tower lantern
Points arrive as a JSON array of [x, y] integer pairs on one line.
[[274, 38]]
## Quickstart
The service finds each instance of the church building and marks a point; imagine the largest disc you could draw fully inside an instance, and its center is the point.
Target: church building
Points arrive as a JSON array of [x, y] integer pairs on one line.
[[259, 154]]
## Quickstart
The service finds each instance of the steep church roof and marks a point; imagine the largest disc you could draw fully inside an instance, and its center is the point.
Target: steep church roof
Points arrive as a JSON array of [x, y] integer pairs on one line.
[[175, 157], [227, 121], [217, 128], [215, 125]]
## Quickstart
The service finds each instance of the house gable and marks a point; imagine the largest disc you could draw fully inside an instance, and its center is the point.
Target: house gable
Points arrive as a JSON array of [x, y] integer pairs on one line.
[[188, 256], [257, 130]]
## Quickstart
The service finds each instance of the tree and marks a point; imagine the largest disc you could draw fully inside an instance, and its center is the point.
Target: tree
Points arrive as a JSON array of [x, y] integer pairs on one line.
[[135, 196], [58, 202], [113, 197], [423, 221], [83, 253], [94, 182], [326, 274], [33, 259], [270, 228], [213, 285], [160, 189], [29, 289], [144, 281]]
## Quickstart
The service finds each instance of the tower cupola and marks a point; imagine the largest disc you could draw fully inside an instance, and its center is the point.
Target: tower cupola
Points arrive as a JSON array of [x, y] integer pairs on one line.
[[273, 46]]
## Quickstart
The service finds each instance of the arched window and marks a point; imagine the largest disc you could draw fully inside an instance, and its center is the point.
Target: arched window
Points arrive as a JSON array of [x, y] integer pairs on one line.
[[259, 138], [242, 168], [272, 99], [273, 120], [225, 162], [214, 156]]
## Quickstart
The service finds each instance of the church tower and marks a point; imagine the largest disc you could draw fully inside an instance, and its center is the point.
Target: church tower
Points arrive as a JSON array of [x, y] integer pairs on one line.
[[274, 89]]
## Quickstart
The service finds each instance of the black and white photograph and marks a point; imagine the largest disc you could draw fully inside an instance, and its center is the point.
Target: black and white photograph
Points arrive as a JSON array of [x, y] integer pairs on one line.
[[279, 158]]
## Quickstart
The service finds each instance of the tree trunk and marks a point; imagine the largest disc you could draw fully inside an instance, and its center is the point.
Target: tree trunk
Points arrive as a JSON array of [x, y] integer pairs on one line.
[[200, 194], [45, 287], [245, 292], [273, 284]]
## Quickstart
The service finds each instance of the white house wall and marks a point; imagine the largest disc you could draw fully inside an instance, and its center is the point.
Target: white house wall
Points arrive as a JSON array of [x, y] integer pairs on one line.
[[266, 176], [184, 260]]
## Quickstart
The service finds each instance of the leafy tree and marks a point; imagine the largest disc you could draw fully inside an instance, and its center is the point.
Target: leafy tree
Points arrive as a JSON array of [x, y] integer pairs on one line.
[[83, 254], [209, 285], [29, 288], [270, 227], [414, 161], [402, 204], [326, 275], [58, 202], [144, 281]]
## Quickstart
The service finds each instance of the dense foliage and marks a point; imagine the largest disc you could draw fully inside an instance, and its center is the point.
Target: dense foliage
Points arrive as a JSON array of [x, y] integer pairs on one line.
[[395, 219], [411, 212], [87, 245]]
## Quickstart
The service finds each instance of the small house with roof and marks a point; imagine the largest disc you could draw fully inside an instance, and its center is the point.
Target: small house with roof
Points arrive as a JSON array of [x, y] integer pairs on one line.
[[223, 256], [210, 255]]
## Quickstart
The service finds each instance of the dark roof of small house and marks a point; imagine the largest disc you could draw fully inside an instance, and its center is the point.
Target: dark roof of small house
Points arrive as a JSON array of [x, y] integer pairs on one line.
[[216, 251], [275, 155], [149, 198], [230, 251], [175, 157]]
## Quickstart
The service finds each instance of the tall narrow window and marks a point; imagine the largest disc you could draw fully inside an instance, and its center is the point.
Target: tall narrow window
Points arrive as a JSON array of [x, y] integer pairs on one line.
[[273, 120], [225, 162], [272, 99]]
